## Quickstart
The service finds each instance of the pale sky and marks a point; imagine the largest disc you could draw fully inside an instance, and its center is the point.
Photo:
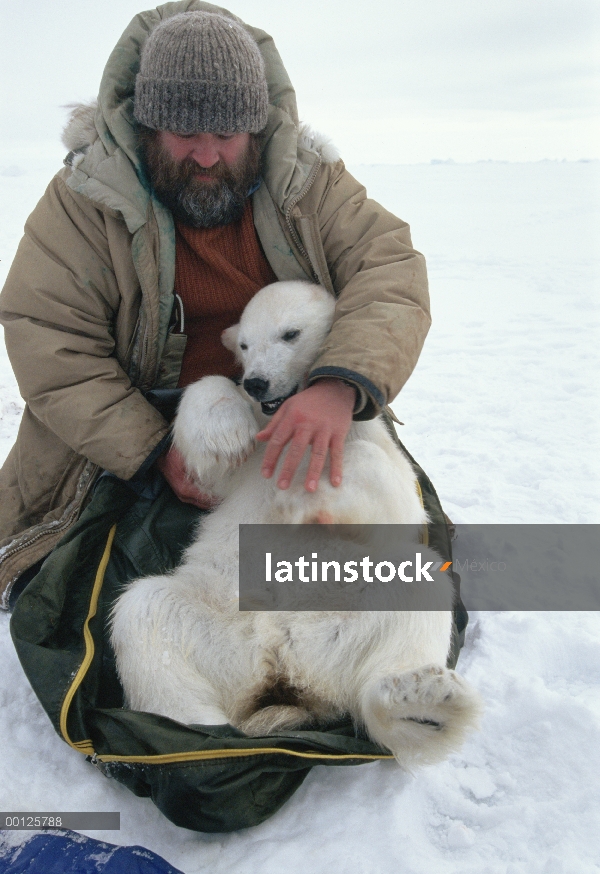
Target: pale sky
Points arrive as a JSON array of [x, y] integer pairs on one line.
[[388, 81]]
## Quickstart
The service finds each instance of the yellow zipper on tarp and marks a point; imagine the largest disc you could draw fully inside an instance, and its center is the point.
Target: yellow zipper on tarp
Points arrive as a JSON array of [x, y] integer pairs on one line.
[[200, 755], [85, 746]]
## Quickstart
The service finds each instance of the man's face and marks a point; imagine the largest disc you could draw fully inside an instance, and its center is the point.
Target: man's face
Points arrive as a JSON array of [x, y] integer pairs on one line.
[[202, 178]]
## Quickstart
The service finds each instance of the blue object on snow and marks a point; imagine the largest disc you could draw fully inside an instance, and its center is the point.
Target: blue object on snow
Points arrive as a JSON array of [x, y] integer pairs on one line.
[[72, 853]]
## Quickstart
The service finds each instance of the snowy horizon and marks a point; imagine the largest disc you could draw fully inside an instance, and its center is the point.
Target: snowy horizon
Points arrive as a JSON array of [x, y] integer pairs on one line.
[[10, 153]]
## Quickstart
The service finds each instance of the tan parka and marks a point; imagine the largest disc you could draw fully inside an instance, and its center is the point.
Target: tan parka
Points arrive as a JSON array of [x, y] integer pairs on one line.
[[87, 303]]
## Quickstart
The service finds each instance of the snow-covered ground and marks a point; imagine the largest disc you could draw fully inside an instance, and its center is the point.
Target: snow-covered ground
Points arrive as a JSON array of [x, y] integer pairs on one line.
[[501, 412]]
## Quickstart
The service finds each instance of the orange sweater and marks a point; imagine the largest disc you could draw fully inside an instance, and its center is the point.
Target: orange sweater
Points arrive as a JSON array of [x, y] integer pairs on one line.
[[217, 271]]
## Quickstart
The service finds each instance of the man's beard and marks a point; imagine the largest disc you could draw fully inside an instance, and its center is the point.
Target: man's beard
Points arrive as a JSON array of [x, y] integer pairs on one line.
[[195, 202]]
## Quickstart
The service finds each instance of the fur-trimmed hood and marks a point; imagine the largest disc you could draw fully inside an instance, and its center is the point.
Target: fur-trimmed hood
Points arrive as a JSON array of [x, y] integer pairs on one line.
[[103, 136], [80, 130]]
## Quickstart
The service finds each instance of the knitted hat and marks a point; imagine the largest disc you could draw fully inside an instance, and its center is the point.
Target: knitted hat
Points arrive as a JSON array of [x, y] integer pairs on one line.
[[201, 71]]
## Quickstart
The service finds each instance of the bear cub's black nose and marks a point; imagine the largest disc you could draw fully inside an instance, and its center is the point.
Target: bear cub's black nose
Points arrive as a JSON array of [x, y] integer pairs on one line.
[[257, 388]]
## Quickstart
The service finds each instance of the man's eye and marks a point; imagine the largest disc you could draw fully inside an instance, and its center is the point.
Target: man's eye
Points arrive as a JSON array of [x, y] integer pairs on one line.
[[290, 335], [225, 136]]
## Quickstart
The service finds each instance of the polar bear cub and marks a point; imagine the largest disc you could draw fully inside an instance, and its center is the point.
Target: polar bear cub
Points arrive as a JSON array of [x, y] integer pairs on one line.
[[183, 648]]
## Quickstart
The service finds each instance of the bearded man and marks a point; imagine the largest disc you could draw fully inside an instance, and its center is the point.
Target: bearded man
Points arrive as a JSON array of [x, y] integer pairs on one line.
[[189, 188]]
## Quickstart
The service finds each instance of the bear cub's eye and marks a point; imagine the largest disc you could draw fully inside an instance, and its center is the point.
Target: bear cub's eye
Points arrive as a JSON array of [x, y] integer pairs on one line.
[[290, 335], [243, 346]]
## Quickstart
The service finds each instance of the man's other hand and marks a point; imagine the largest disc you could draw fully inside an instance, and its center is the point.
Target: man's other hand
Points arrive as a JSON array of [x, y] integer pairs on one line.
[[319, 417], [172, 467]]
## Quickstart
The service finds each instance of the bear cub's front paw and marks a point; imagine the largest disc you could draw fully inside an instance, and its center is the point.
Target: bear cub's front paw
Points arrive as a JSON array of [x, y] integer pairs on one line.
[[215, 428]]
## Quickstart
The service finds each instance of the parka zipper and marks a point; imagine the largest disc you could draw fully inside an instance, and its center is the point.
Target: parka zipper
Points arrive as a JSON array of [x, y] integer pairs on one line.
[[144, 383], [149, 321], [288, 215]]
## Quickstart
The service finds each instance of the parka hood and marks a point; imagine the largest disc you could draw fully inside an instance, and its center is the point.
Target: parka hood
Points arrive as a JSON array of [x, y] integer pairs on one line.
[[103, 136]]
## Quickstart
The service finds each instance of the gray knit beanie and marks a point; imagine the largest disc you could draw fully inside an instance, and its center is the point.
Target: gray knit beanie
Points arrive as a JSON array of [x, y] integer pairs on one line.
[[201, 72]]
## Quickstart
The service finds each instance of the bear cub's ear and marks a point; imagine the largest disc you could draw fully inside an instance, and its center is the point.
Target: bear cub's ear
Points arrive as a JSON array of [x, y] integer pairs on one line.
[[229, 339]]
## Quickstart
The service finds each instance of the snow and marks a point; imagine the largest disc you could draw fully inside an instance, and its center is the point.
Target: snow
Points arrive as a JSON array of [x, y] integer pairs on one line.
[[501, 413]]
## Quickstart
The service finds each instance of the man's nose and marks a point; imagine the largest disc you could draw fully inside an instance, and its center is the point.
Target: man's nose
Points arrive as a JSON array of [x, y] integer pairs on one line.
[[205, 152]]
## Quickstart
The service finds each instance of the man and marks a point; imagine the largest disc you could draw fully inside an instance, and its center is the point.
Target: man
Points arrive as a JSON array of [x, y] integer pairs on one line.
[[192, 184]]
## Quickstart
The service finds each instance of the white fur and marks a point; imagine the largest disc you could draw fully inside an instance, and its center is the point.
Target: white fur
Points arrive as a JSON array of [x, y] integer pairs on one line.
[[316, 141], [80, 131], [185, 651]]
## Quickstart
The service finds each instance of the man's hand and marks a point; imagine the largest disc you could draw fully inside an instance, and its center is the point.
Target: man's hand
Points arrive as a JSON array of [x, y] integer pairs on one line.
[[320, 417], [172, 467]]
